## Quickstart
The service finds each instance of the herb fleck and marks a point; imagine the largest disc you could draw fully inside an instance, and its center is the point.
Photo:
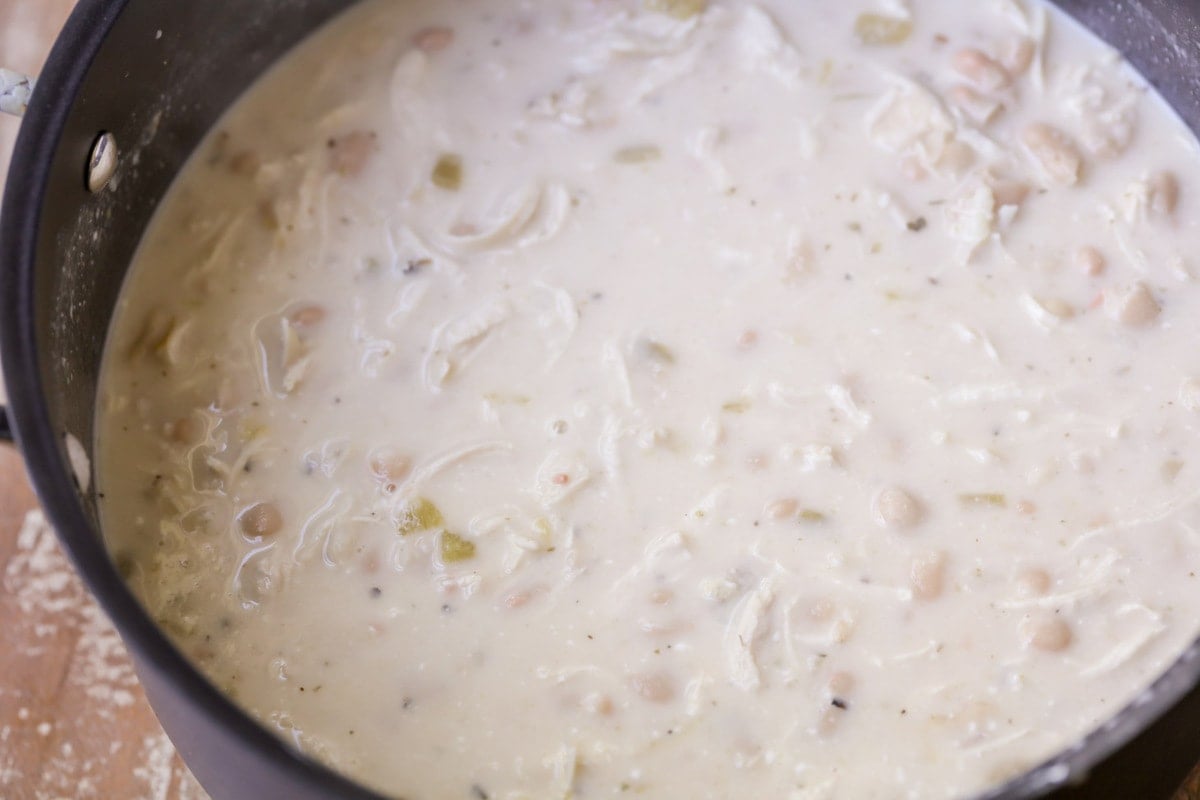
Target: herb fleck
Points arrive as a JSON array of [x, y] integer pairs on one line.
[[455, 548], [655, 351], [637, 154], [679, 9], [993, 499], [448, 172], [419, 515]]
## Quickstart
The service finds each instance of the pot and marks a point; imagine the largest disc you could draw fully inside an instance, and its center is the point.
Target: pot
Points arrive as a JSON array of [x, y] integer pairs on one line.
[[143, 81]]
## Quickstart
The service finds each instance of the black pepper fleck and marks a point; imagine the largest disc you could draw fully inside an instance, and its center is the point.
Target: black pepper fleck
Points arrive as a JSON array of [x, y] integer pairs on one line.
[[415, 265]]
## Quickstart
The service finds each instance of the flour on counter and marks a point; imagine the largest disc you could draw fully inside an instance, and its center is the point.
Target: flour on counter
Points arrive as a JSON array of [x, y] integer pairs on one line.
[[59, 627]]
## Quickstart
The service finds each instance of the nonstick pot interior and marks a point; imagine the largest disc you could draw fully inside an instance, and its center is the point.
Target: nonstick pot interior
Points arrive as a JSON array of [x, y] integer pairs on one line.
[[157, 75]]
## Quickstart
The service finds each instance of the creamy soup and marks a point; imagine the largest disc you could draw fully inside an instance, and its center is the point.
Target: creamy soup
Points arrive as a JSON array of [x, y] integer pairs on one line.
[[679, 398]]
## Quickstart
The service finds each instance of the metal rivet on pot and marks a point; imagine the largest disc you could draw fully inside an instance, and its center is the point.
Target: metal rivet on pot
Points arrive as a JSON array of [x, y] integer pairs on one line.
[[102, 163]]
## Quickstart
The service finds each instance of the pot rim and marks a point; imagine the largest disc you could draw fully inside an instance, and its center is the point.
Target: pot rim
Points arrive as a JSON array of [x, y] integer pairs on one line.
[[41, 447], [38, 141]]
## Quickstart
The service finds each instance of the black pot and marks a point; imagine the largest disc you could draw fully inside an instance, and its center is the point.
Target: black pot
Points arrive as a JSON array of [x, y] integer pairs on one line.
[[157, 75]]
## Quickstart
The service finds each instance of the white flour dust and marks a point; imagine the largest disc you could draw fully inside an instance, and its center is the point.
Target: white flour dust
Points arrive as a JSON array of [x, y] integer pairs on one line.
[[99, 737]]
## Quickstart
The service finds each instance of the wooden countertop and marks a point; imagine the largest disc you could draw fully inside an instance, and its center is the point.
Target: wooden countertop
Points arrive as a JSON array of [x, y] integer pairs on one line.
[[73, 720]]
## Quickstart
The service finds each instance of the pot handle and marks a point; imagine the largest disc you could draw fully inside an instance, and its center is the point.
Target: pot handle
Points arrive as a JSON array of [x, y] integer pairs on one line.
[[15, 90]]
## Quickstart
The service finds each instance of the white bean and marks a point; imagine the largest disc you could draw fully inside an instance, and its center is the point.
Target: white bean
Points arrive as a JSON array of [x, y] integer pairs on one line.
[[1089, 260], [653, 686], [927, 577], [1017, 54], [1164, 194], [596, 703], [1046, 632], [520, 598], [784, 508], [661, 596], [1131, 305], [1057, 307], [389, 466], [841, 684], [350, 152], [978, 108], [260, 520], [184, 430], [307, 316], [957, 157], [896, 508], [842, 630], [981, 69], [1009, 193], [1033, 582], [434, 40], [1054, 152]]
